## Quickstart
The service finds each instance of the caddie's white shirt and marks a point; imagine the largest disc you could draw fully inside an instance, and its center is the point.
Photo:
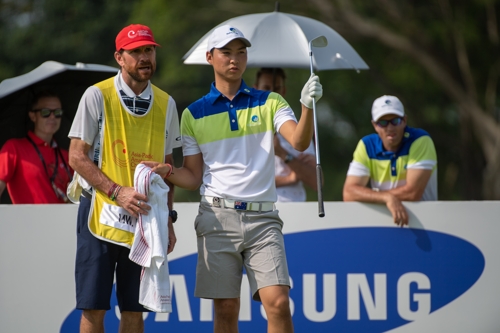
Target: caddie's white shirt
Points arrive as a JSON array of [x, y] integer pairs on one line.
[[88, 119]]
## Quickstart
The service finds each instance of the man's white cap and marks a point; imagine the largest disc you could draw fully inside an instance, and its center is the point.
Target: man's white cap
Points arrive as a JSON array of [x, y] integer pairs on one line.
[[387, 105], [222, 35]]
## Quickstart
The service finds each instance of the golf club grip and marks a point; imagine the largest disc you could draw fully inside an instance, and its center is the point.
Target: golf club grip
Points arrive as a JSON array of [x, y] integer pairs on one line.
[[319, 179]]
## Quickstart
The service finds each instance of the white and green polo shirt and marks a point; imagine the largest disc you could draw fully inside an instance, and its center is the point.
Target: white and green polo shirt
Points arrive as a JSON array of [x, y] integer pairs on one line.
[[387, 170], [236, 140]]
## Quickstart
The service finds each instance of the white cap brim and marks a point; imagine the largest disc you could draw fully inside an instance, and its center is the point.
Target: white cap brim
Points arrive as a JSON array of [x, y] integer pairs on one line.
[[226, 41]]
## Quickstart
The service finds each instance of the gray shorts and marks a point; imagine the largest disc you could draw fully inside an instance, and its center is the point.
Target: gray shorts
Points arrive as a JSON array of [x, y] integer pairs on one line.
[[229, 240]]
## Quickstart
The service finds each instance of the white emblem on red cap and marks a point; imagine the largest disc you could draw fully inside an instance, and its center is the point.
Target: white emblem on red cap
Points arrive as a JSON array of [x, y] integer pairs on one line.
[[133, 34]]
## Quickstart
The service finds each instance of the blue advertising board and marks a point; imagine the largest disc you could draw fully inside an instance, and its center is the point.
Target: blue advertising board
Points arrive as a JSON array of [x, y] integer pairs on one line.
[[352, 271], [345, 280]]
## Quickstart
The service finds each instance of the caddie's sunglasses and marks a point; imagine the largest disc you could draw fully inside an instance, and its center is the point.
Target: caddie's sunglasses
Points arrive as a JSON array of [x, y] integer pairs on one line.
[[45, 113], [394, 121]]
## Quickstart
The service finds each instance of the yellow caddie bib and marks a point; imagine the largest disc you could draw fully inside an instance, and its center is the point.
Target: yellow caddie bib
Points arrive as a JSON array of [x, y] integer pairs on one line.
[[126, 140]]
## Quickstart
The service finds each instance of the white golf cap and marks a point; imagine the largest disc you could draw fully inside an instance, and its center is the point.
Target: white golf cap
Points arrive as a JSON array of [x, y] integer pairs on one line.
[[222, 35], [387, 105]]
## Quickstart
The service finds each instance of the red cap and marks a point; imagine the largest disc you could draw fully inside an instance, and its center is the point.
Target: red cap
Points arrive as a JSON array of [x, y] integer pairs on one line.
[[134, 36]]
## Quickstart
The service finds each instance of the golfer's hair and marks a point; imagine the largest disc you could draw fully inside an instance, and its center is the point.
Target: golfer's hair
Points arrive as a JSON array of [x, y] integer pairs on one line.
[[42, 94], [267, 70]]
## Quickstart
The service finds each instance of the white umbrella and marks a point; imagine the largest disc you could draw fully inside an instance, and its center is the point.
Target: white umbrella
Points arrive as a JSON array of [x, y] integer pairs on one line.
[[68, 81], [282, 40]]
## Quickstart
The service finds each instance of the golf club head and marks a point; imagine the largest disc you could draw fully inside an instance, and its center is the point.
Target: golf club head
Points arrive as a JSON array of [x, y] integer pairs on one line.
[[319, 41]]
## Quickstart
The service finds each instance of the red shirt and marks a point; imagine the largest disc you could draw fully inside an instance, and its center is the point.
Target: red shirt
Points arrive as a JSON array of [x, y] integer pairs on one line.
[[23, 171]]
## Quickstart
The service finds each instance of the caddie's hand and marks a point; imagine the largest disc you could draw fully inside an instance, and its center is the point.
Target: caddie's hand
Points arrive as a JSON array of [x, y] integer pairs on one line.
[[133, 202], [312, 89]]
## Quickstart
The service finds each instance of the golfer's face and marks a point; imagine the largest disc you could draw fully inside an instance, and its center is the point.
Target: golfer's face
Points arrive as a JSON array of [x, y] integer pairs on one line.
[[140, 63], [390, 134], [229, 61]]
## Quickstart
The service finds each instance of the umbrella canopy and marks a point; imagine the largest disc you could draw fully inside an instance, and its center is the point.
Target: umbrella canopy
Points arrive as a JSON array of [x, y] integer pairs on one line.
[[282, 40], [68, 81]]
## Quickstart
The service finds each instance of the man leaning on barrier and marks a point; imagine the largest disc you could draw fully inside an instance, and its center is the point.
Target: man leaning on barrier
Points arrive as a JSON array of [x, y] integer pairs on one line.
[[399, 161]]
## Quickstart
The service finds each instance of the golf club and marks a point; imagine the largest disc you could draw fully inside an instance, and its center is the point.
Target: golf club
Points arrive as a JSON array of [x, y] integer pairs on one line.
[[319, 41]]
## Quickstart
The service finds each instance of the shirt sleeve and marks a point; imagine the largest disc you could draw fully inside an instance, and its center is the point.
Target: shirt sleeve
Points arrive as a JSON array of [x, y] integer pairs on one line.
[[422, 154], [8, 161], [360, 165], [173, 136], [189, 144], [283, 112], [86, 122]]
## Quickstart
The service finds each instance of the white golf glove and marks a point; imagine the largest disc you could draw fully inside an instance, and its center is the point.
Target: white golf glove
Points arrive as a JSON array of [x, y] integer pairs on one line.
[[311, 89]]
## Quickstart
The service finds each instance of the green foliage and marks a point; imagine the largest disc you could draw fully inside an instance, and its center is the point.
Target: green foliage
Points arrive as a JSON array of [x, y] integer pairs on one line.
[[84, 31]]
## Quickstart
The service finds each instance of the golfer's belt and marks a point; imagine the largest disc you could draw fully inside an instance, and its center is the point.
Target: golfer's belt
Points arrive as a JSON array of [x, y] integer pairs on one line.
[[265, 206]]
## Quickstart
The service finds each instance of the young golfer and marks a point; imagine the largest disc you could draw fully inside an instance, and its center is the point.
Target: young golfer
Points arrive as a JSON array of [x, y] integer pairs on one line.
[[227, 137]]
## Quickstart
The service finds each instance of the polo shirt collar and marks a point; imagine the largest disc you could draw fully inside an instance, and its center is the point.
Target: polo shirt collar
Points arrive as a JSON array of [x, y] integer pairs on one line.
[[121, 85], [40, 142], [380, 150], [214, 94]]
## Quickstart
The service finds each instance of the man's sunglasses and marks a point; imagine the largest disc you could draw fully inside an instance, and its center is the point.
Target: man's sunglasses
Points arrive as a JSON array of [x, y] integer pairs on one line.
[[394, 121], [45, 113]]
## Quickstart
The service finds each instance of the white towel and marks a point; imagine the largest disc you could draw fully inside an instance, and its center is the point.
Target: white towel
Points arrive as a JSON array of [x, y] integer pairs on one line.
[[150, 245]]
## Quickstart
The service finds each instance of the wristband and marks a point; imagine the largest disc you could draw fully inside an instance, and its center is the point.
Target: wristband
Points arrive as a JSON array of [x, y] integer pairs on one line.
[[170, 171], [115, 193], [112, 189]]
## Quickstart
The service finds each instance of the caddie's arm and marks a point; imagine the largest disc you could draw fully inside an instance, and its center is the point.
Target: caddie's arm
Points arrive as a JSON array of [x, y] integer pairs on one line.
[[81, 163], [299, 134], [355, 190]]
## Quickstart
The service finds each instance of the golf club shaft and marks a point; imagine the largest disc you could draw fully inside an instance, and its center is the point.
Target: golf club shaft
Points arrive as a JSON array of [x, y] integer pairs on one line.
[[319, 180], [319, 173]]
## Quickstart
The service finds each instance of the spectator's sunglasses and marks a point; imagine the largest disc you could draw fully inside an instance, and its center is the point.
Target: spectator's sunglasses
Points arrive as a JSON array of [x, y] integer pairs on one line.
[[394, 121], [45, 113]]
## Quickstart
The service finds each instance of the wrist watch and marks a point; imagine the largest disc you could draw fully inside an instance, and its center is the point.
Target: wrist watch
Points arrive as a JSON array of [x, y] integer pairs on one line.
[[173, 214], [288, 158]]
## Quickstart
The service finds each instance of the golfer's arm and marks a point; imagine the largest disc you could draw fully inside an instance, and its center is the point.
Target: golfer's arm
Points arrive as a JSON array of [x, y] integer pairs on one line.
[[81, 163], [355, 190], [299, 134], [416, 182], [189, 176]]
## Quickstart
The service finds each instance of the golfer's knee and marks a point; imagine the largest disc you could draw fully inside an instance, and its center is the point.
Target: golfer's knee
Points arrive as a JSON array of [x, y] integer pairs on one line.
[[278, 306]]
